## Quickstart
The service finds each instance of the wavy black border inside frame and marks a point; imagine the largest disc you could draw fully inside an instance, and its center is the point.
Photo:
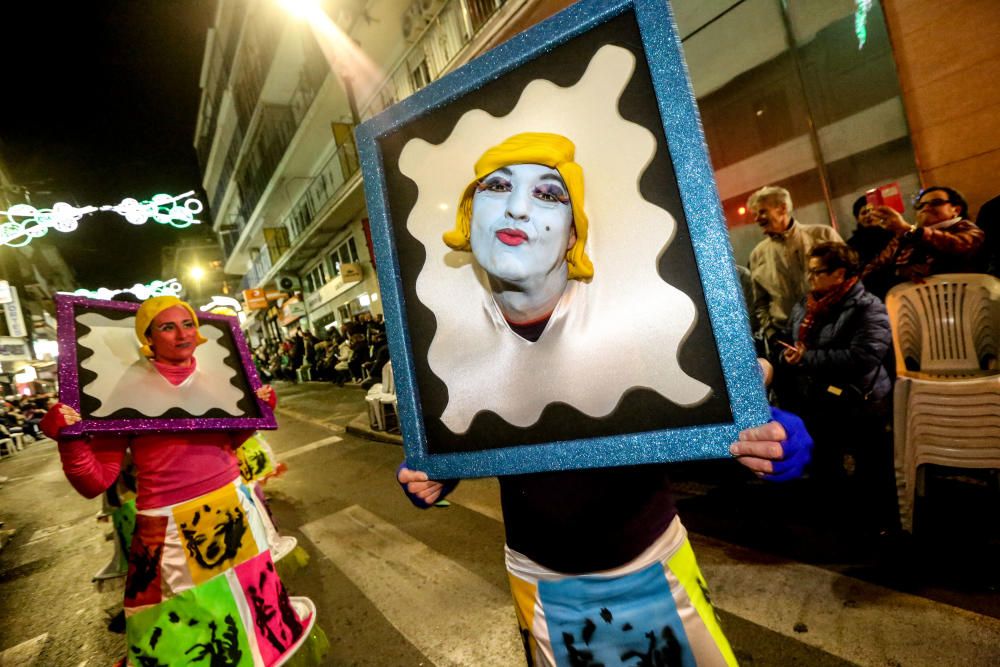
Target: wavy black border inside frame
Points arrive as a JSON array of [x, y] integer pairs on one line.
[[247, 404], [640, 409]]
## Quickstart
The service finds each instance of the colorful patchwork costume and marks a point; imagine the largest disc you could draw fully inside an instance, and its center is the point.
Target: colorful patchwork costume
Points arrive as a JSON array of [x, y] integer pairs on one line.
[[201, 585]]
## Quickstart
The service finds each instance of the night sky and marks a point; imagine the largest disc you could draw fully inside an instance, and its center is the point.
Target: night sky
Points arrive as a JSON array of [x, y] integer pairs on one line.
[[101, 104]]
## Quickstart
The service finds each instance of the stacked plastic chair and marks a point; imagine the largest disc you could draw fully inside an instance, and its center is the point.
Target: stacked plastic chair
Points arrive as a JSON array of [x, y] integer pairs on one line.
[[381, 396], [946, 333]]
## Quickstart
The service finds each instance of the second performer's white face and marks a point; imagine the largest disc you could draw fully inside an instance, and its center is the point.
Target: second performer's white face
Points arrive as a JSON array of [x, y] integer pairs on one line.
[[522, 222]]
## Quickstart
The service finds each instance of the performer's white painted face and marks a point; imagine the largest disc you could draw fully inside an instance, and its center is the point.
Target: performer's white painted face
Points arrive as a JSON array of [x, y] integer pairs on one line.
[[522, 223]]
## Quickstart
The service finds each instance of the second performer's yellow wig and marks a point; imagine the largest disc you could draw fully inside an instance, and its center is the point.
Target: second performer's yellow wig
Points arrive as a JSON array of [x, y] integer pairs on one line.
[[551, 150], [148, 311]]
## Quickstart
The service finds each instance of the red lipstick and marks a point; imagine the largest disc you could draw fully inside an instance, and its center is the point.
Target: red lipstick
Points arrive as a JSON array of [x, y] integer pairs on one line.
[[509, 236]]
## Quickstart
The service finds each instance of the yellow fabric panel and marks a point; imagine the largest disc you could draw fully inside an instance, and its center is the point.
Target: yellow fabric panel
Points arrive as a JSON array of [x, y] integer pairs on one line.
[[525, 595], [684, 566]]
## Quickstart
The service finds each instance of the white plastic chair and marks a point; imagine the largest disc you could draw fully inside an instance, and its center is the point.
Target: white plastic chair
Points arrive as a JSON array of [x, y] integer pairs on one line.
[[946, 404], [16, 435], [377, 398], [388, 400], [949, 325], [7, 447]]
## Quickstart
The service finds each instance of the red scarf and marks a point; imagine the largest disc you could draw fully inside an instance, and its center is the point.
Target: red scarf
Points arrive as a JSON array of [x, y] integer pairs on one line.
[[816, 308]]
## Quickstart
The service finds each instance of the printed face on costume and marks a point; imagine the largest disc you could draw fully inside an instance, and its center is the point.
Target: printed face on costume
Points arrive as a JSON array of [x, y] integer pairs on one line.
[[214, 536], [522, 222], [274, 617], [173, 335]]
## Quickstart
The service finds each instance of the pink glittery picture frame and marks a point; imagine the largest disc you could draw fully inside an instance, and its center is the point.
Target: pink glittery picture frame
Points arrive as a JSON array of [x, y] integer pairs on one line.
[[113, 390]]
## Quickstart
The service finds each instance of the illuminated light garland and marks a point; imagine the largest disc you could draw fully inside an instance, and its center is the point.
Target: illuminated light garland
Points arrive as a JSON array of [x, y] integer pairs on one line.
[[156, 288], [861, 21], [176, 211], [222, 301]]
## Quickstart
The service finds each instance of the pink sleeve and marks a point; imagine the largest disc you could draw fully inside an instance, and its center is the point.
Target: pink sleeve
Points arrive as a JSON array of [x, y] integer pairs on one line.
[[91, 466]]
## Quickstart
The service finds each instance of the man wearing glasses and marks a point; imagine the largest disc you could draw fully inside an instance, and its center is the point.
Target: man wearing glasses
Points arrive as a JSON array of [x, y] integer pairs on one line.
[[942, 241]]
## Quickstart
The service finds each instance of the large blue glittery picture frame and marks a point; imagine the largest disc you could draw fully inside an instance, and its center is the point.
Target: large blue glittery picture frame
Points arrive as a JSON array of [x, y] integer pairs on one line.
[[74, 375], [643, 427]]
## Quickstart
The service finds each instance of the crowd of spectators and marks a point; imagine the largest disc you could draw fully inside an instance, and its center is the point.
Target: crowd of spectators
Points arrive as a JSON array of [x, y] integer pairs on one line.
[[22, 414], [818, 314], [355, 352]]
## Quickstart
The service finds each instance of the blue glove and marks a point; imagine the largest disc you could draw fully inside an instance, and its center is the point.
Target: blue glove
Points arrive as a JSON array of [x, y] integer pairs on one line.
[[448, 485], [797, 448]]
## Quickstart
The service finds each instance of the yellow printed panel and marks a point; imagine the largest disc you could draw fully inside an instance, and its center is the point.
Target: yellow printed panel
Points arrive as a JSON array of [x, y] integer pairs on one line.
[[685, 568], [525, 595], [215, 533]]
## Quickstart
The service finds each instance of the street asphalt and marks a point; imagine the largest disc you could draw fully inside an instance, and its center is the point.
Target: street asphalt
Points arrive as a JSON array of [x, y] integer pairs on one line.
[[795, 582]]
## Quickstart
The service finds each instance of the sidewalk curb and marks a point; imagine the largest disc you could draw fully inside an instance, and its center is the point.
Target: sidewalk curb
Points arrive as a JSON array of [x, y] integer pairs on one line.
[[359, 426]]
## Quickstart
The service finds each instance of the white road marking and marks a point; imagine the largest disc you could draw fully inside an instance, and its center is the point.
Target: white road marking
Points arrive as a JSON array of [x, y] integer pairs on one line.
[[282, 456], [301, 416], [45, 533], [24, 654], [860, 622], [448, 613]]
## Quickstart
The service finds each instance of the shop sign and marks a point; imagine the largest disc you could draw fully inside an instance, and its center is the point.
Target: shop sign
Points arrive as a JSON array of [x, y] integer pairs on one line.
[[13, 349], [292, 310], [314, 300], [15, 320], [350, 272], [256, 299]]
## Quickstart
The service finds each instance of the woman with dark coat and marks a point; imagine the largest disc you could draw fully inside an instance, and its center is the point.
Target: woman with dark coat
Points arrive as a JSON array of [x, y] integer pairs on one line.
[[842, 347]]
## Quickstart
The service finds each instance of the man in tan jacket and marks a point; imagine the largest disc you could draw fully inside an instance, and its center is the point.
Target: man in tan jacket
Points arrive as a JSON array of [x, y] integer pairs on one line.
[[778, 263]]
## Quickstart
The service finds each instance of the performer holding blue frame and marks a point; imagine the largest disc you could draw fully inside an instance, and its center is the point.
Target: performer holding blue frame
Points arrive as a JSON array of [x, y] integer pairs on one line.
[[578, 315], [654, 361]]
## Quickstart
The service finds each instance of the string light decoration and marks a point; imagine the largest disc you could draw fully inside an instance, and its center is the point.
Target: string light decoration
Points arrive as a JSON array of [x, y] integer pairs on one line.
[[156, 288], [24, 222], [862, 9]]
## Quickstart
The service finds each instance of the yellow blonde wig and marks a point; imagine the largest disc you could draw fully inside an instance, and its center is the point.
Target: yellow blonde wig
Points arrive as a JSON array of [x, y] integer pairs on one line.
[[551, 150]]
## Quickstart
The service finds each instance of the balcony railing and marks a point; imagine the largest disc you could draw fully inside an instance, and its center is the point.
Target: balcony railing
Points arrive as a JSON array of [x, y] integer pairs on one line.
[[228, 239], [431, 56], [341, 166], [235, 143], [311, 80], [232, 227], [259, 45], [231, 23], [219, 68], [214, 87], [315, 69], [276, 244], [271, 138]]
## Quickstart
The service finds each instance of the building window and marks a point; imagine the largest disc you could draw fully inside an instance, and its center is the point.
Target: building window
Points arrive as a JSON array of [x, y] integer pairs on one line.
[[316, 278], [344, 253]]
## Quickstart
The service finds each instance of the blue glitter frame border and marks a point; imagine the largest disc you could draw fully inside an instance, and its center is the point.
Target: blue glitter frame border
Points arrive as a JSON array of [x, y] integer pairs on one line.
[[710, 241]]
